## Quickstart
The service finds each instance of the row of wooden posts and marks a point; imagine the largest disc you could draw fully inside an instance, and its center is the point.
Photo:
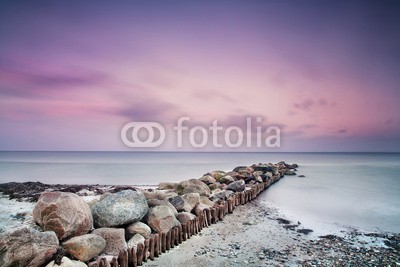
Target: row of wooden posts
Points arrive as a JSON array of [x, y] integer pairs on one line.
[[159, 243]]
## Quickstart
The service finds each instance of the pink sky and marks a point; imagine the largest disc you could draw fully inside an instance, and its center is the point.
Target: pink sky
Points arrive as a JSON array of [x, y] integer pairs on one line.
[[71, 75]]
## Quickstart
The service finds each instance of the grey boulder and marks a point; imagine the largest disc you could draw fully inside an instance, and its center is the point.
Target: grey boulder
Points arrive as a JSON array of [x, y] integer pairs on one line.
[[121, 208]]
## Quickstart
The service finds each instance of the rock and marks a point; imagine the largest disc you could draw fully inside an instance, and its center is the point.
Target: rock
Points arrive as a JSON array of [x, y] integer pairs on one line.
[[293, 166], [301, 176], [227, 179], [290, 172], [115, 239], [66, 214], [198, 210], [237, 186], [263, 167], [155, 194], [161, 219], [239, 168], [170, 193], [26, 246], [192, 199], [156, 202], [218, 195], [214, 186], [180, 204], [65, 262], [121, 208], [85, 247], [193, 186], [217, 174], [207, 179], [184, 217], [138, 228], [206, 201], [135, 240], [163, 186]]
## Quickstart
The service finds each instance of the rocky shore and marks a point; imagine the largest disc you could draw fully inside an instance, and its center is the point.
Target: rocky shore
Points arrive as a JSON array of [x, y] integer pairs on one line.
[[95, 225]]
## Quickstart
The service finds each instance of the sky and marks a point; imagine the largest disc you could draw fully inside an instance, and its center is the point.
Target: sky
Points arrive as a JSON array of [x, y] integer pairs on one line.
[[327, 73]]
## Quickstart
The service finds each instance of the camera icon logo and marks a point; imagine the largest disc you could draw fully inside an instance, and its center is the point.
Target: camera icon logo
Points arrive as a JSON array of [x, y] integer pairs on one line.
[[136, 127]]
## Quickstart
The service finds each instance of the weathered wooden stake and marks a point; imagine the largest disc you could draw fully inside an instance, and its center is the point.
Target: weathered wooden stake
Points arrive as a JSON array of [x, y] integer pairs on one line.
[[221, 212], [140, 248], [114, 262], [176, 235], [184, 232], [123, 258], [180, 233], [163, 243], [172, 234], [146, 249], [168, 243], [156, 245], [151, 257]]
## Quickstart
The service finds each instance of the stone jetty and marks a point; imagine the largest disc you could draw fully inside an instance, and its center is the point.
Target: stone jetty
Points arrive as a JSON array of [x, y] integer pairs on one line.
[[132, 226]]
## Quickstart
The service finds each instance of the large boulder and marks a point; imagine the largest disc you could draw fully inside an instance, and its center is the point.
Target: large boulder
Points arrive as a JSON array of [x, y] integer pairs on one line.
[[26, 246], [155, 194], [207, 179], [179, 203], [138, 228], [157, 202], [184, 217], [161, 219], [206, 201], [227, 179], [121, 208], [166, 185], [65, 262], [115, 240], [66, 214], [192, 199], [85, 247], [135, 240], [193, 186], [237, 186]]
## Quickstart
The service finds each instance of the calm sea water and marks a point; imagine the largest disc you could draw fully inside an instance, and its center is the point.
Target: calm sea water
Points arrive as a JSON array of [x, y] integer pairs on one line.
[[340, 190]]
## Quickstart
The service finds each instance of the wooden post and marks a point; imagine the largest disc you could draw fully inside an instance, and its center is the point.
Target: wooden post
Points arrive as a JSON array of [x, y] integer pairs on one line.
[[132, 257], [184, 232], [180, 234], [157, 246], [209, 221], [230, 209], [114, 262], [123, 258], [104, 263], [172, 234], [168, 243], [189, 230], [221, 212], [163, 242], [140, 248], [176, 229], [151, 248], [146, 249]]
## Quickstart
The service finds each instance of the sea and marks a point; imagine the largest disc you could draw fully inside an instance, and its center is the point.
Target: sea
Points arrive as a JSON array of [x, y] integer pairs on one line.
[[340, 191]]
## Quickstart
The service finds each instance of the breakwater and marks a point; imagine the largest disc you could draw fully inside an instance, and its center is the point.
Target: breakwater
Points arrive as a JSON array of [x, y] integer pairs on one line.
[[132, 226]]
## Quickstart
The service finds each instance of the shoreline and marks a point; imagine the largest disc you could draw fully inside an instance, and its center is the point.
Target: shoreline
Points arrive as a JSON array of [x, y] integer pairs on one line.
[[254, 234]]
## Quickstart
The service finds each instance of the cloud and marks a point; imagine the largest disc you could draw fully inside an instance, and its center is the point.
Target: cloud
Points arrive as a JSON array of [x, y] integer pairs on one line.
[[305, 105], [308, 126], [153, 110], [310, 103], [28, 84], [342, 131], [212, 95]]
